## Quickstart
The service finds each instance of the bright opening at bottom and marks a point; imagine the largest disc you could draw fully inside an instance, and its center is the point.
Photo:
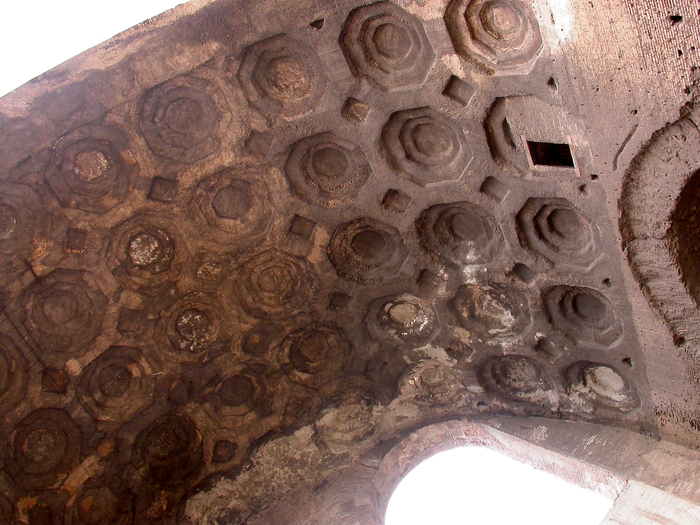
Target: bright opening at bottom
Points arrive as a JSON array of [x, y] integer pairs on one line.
[[474, 485]]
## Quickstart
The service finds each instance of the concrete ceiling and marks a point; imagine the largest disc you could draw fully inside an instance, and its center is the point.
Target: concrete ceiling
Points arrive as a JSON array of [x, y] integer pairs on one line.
[[248, 247]]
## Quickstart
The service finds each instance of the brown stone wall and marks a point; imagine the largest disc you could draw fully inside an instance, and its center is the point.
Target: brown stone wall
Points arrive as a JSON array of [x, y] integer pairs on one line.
[[244, 247]]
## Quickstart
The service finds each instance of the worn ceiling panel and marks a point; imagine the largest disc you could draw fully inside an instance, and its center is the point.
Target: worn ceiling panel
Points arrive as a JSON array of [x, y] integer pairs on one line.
[[246, 246]]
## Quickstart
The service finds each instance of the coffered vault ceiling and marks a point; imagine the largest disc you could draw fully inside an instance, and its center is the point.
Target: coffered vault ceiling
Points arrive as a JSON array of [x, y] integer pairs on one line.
[[246, 246]]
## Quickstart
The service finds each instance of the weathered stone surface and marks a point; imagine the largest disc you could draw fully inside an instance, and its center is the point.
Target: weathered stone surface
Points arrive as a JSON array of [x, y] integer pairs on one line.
[[43, 448], [460, 233], [387, 45], [282, 76], [402, 317], [659, 218], [350, 421], [491, 311], [502, 35], [117, 385], [64, 311], [327, 170], [184, 118], [366, 250], [274, 285], [585, 315], [427, 147], [248, 249]]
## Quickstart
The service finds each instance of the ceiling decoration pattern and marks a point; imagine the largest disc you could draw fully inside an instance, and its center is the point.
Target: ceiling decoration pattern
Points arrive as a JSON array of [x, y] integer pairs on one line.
[[362, 260]]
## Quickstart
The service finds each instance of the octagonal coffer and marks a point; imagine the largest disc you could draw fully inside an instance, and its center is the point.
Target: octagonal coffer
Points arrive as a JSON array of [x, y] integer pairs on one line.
[[117, 384], [502, 36], [493, 312], [146, 253], [282, 76], [460, 234], [433, 383], [43, 449], [234, 204], [169, 450], [239, 390], [101, 499], [387, 45], [195, 327], [558, 233], [426, 147], [584, 315], [274, 285], [315, 354], [402, 318], [92, 169], [367, 250], [518, 378], [64, 311], [24, 226], [262, 339], [601, 386], [327, 170], [22, 223], [185, 118]]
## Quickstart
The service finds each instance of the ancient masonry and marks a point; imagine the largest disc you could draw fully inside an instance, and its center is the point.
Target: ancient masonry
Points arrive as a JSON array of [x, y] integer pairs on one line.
[[235, 274]]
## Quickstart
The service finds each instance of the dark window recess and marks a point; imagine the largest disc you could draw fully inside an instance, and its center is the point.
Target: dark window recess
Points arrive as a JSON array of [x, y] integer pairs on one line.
[[549, 154]]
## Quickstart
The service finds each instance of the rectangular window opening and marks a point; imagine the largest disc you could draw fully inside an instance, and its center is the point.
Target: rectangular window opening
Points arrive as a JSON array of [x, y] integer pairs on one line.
[[550, 154]]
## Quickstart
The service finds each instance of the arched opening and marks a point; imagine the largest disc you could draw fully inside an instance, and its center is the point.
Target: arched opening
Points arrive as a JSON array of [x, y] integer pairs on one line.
[[475, 484], [480, 470]]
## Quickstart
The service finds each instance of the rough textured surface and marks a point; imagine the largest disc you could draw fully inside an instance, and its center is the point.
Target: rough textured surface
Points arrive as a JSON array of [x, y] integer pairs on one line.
[[613, 462], [642, 505], [244, 248]]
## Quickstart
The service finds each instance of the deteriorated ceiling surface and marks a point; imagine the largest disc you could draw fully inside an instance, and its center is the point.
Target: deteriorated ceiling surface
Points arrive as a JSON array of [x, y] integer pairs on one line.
[[245, 244]]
